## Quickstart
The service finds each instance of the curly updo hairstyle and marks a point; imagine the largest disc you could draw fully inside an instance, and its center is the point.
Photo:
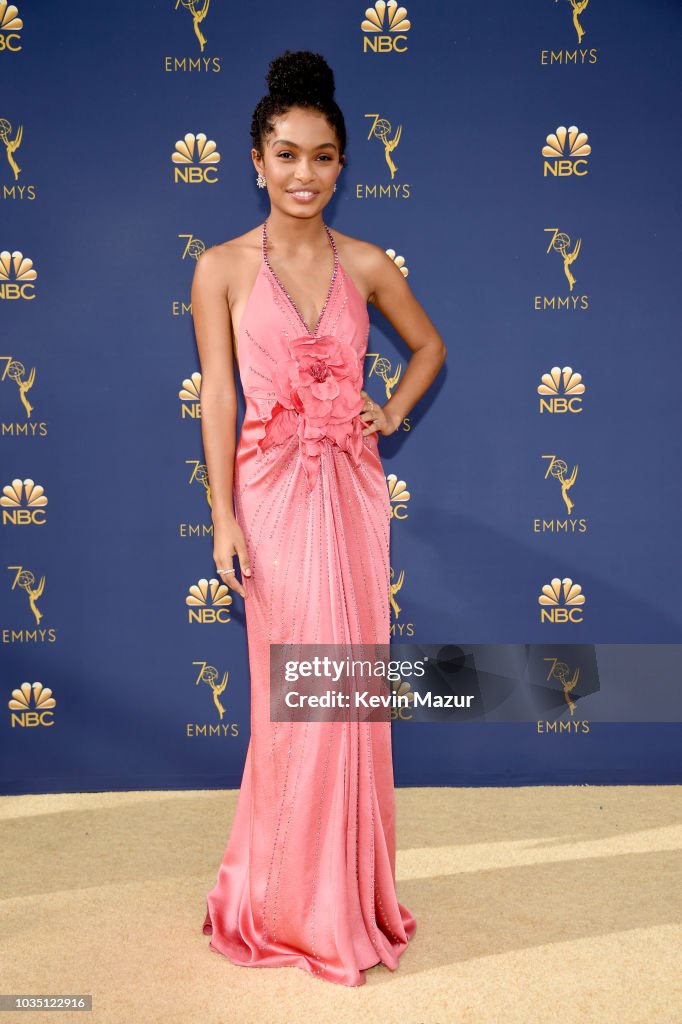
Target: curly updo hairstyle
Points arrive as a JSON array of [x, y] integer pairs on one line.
[[298, 79]]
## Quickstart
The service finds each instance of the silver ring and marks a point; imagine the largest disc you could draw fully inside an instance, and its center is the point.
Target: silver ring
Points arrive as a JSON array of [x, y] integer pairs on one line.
[[226, 572]]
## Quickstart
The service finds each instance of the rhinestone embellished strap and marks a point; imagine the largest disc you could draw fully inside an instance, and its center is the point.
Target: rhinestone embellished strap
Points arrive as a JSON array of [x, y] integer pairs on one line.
[[264, 247]]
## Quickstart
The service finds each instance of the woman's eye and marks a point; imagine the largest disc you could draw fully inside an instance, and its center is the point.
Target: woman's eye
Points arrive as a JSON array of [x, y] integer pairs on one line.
[[322, 156]]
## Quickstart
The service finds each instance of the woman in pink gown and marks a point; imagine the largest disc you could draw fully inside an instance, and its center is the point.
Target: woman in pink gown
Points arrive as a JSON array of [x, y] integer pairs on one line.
[[308, 875]]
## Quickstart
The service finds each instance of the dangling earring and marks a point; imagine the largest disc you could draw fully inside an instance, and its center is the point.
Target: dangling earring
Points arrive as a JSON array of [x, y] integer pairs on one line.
[[334, 189], [260, 180]]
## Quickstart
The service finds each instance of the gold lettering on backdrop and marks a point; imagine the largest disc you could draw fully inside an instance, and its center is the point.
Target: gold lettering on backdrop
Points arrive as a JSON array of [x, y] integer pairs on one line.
[[190, 397], [23, 503], [558, 469], [565, 151], [382, 191], [568, 58], [188, 531], [385, 26], [560, 390], [196, 158], [403, 698], [35, 704], [561, 601], [382, 130], [16, 276], [561, 302], [203, 64], [28, 636], [208, 601], [10, 27], [192, 64], [399, 496], [563, 527], [560, 243], [573, 728]]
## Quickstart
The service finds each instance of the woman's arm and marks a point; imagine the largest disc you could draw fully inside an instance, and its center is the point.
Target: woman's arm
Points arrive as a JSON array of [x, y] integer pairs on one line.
[[392, 295], [213, 330]]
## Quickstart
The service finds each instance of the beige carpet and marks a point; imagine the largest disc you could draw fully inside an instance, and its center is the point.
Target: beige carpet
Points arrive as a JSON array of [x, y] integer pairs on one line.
[[533, 905]]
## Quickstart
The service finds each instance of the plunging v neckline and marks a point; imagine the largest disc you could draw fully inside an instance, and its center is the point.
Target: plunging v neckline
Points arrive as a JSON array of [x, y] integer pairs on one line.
[[311, 333]]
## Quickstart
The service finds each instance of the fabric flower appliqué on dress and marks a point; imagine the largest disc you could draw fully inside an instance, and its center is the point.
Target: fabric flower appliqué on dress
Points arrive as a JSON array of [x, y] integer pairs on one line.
[[317, 397]]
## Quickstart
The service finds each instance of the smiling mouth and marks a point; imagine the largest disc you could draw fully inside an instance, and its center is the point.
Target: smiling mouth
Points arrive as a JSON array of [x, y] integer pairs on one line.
[[302, 192]]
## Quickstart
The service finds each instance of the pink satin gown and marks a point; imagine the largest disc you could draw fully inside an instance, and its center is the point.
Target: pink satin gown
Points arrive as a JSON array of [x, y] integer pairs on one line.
[[308, 875]]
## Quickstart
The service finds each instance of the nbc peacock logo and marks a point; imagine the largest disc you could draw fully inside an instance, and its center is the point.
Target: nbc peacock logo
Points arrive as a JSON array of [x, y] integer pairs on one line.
[[399, 496], [10, 27], [208, 602], [195, 160], [399, 261], [565, 152], [23, 504], [190, 397], [32, 705], [402, 699], [17, 276], [561, 391], [561, 601], [385, 27]]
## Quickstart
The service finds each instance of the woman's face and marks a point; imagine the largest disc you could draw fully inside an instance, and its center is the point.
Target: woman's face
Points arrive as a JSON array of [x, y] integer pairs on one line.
[[300, 156]]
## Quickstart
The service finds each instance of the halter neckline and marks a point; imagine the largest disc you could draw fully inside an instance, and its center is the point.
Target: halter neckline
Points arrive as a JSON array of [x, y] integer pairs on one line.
[[290, 297]]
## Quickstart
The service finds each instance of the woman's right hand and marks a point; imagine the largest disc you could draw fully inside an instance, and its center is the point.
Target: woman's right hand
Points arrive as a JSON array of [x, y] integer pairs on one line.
[[228, 541]]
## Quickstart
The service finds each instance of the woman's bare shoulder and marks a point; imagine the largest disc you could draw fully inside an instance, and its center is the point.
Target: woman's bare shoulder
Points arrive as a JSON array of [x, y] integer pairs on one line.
[[228, 259], [356, 248], [362, 259]]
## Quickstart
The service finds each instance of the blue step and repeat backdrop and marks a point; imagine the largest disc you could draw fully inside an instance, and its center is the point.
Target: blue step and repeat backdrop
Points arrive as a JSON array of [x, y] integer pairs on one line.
[[520, 164]]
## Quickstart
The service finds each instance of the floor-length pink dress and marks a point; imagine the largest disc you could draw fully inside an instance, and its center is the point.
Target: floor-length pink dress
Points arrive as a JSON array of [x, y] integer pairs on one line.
[[308, 875]]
